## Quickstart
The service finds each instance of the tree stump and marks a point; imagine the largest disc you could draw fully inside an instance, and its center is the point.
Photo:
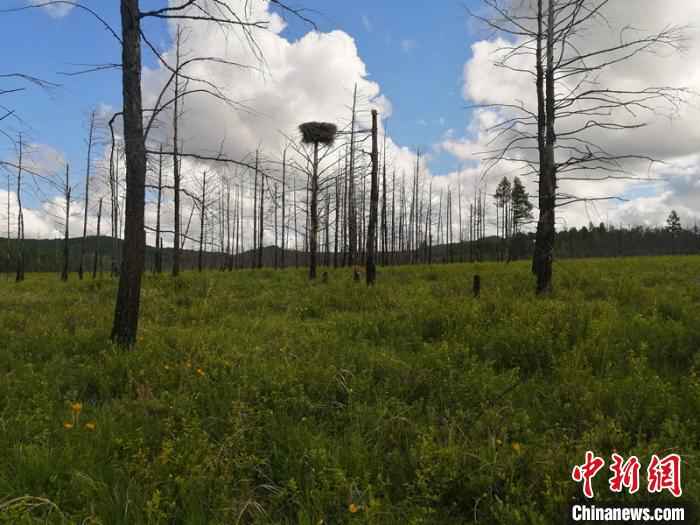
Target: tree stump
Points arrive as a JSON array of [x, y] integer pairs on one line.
[[476, 286]]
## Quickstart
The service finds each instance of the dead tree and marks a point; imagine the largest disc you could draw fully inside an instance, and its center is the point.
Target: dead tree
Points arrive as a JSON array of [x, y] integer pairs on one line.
[[570, 103], [158, 267], [97, 259], [87, 194], [371, 271], [66, 237], [20, 218], [315, 133]]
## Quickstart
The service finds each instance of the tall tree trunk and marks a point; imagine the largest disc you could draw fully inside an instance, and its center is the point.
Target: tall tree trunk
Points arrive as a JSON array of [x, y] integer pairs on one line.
[[261, 214], [296, 231], [544, 240], [313, 236], [371, 271], [284, 207], [176, 160], [352, 215], [159, 253], [20, 219], [203, 211], [253, 255], [393, 217], [98, 252], [337, 217], [87, 196], [66, 236], [126, 316], [385, 244], [276, 239]]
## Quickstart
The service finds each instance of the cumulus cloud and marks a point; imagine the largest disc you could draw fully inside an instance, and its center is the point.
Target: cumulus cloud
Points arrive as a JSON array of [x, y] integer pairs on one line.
[[669, 135]]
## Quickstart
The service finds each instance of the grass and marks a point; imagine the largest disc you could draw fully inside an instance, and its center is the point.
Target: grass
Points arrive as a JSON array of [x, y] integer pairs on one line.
[[256, 397]]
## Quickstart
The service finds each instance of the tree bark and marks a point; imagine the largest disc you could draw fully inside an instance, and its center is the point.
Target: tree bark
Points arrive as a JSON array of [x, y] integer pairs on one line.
[[98, 253], [20, 220], [371, 269], [544, 240], [176, 163], [126, 316], [87, 196], [159, 253], [66, 236], [314, 216]]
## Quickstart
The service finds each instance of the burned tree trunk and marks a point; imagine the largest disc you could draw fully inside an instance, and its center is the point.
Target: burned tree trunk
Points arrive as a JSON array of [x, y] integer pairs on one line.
[[87, 199], [66, 253], [371, 272], [20, 220], [126, 315], [544, 240], [314, 216], [202, 210], [97, 258], [159, 254]]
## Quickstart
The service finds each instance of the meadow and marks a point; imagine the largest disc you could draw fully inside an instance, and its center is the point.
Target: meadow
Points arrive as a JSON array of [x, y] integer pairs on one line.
[[258, 397]]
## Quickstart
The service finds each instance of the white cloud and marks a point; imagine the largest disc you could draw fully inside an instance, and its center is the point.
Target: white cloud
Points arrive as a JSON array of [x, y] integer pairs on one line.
[[54, 10], [674, 141]]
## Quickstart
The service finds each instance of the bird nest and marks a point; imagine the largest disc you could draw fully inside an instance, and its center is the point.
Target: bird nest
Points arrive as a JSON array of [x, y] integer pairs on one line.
[[322, 132]]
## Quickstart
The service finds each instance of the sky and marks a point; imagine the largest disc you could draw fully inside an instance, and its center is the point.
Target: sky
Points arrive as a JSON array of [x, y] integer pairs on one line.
[[421, 64]]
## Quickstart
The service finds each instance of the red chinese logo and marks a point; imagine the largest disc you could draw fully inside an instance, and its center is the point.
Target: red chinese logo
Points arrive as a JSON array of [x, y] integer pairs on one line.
[[625, 475], [662, 474], [587, 472], [665, 474]]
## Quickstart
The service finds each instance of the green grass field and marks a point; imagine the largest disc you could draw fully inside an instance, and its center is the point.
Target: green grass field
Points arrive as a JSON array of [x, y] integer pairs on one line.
[[256, 397]]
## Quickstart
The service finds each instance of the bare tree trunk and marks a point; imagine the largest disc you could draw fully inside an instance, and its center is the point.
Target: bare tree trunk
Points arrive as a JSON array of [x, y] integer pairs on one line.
[[327, 260], [337, 217], [9, 243], [253, 255], [159, 254], [393, 217], [385, 245], [284, 207], [314, 216], [371, 271], [296, 231], [544, 240], [352, 215], [276, 239], [260, 218], [126, 315], [66, 253], [203, 210], [98, 252], [176, 161], [87, 198], [20, 220]]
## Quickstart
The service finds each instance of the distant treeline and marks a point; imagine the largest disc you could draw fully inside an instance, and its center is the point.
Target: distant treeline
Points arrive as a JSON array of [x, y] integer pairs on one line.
[[46, 255]]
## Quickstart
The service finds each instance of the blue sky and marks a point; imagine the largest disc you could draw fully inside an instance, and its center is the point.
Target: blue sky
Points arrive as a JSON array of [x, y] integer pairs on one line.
[[414, 50]]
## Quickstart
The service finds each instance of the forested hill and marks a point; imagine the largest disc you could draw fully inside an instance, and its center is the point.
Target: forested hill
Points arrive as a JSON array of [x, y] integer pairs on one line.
[[46, 255]]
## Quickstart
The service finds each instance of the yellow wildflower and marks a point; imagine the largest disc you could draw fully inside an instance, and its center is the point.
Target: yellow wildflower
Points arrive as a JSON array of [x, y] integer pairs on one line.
[[200, 372], [67, 425], [516, 446], [90, 425], [353, 508], [76, 407]]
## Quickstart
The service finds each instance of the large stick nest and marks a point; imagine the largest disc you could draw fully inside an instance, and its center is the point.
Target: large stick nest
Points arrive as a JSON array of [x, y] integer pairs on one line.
[[322, 132]]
